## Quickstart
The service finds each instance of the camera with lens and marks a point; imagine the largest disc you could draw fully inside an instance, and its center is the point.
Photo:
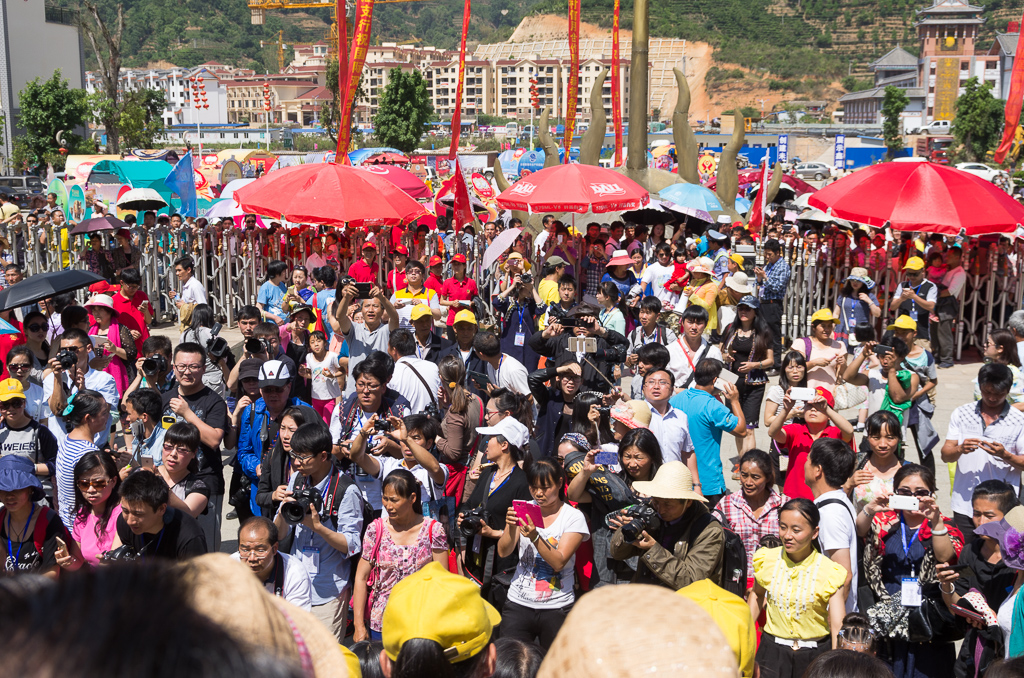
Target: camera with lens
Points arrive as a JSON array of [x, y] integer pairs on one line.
[[124, 553], [382, 425], [644, 518], [526, 278], [255, 346], [306, 501], [472, 521], [345, 281], [433, 411], [154, 364], [67, 357]]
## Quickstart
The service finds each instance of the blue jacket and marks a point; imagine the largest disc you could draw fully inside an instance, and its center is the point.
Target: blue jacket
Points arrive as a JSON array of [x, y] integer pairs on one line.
[[251, 443]]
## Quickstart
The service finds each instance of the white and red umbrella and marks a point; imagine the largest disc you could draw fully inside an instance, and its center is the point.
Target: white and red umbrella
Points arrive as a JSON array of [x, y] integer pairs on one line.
[[574, 188]]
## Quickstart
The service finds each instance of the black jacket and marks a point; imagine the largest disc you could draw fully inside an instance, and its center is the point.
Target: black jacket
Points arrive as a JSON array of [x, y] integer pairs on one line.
[[611, 349], [438, 345], [274, 469], [550, 405]]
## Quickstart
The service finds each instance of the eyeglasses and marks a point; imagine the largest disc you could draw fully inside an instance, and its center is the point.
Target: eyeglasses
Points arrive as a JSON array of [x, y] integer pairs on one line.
[[260, 550], [491, 413], [35, 327], [658, 382], [301, 457], [363, 386], [273, 389], [189, 368], [15, 404], [84, 485], [20, 366], [920, 492]]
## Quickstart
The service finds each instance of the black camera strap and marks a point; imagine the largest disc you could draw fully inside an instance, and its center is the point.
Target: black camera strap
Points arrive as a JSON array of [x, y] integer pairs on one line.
[[422, 381], [278, 575]]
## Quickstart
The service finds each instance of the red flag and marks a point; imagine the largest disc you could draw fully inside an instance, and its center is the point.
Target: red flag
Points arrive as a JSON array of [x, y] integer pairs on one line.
[[1011, 113], [574, 74], [616, 94], [462, 209], [756, 217], [457, 114], [360, 42], [342, 47]]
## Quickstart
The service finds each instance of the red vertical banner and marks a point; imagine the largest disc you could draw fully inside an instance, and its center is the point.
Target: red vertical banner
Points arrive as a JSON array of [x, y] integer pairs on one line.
[[1011, 113], [574, 75], [360, 42], [616, 90], [756, 217], [457, 113], [341, 21], [462, 208]]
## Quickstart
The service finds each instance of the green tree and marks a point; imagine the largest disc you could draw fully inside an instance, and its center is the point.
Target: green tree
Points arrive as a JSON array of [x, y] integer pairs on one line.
[[404, 110], [978, 124], [137, 120], [892, 106], [49, 107]]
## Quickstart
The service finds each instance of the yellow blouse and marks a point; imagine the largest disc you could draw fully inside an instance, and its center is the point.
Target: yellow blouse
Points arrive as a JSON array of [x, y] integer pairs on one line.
[[797, 594], [707, 297]]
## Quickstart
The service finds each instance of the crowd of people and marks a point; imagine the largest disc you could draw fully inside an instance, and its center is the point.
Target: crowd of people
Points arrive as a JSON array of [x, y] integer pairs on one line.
[[442, 468]]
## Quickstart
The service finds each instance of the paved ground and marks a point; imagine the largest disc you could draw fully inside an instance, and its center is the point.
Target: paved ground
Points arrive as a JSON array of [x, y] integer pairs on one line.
[[955, 388]]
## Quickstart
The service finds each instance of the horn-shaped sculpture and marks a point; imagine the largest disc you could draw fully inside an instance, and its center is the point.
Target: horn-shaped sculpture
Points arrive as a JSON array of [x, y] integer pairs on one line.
[[682, 133], [549, 146], [728, 178], [593, 139]]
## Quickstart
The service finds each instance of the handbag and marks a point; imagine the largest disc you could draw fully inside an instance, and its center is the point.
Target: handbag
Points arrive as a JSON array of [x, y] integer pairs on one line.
[[848, 395], [932, 621]]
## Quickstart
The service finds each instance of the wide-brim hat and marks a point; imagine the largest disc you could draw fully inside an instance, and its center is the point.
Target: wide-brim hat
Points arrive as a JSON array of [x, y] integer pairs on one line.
[[860, 274], [701, 265], [739, 282], [18, 473], [103, 300], [620, 258], [632, 413], [1009, 532], [584, 648], [672, 481]]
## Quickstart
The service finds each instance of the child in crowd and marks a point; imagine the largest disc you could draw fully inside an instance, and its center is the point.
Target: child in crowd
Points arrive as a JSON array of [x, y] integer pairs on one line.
[[936, 266], [324, 371]]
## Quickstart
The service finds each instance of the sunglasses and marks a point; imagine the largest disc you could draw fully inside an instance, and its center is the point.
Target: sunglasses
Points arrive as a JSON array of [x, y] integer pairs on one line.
[[20, 366], [94, 484], [35, 327], [15, 404], [921, 492]]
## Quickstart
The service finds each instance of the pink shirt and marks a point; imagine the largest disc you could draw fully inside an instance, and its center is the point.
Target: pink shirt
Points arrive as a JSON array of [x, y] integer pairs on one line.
[[84, 532]]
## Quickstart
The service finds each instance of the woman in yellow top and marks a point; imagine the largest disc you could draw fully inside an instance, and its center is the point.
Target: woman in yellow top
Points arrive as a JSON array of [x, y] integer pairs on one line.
[[547, 288], [702, 290], [802, 593]]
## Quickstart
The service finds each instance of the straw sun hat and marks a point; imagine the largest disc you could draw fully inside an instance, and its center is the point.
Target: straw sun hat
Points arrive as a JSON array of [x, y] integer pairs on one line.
[[672, 481]]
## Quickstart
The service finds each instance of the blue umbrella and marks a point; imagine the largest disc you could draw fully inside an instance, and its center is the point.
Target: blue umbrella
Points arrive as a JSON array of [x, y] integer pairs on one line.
[[742, 205], [8, 328], [691, 199]]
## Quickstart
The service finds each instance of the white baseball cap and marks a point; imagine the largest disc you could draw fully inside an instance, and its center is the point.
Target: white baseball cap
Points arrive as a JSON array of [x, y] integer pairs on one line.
[[509, 428]]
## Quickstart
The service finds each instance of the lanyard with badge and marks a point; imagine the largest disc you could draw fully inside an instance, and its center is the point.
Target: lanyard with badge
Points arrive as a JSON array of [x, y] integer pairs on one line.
[[910, 588], [520, 335], [913, 303]]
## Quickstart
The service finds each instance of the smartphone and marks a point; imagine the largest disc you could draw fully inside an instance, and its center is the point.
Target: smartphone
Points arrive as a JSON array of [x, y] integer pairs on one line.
[[802, 393], [363, 290], [898, 502], [882, 349], [61, 544], [964, 569], [479, 379], [967, 614], [606, 458], [570, 322], [146, 462], [525, 508]]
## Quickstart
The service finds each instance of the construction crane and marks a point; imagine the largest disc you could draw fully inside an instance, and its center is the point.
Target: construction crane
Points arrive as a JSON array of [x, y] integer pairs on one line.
[[257, 8]]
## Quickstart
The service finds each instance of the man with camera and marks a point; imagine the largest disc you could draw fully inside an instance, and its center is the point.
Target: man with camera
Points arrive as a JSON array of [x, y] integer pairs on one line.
[[676, 538], [148, 527], [281, 574], [248, 318], [597, 358], [153, 367], [518, 305], [323, 509], [71, 368], [371, 334], [193, 401], [555, 402], [142, 410]]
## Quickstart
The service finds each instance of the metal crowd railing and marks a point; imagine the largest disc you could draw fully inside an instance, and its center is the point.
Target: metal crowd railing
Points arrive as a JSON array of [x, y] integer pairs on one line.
[[231, 264]]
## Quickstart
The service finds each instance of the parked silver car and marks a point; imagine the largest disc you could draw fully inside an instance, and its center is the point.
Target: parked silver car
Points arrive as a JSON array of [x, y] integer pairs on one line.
[[818, 171]]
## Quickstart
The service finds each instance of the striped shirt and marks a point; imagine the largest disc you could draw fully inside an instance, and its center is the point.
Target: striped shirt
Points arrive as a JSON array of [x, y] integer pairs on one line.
[[69, 451], [975, 467]]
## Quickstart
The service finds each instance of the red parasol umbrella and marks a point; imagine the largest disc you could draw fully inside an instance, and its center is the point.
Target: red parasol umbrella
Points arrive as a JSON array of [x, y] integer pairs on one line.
[[747, 177], [921, 196], [329, 194], [403, 178], [574, 188]]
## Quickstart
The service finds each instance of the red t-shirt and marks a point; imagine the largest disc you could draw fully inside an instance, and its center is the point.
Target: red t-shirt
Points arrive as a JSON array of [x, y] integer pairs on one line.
[[7, 342], [798, 442], [130, 316], [396, 280], [434, 283], [363, 272], [455, 290]]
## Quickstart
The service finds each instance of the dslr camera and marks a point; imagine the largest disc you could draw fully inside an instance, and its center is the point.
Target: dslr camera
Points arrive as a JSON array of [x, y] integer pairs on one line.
[[382, 425], [255, 346], [306, 501], [124, 553], [67, 358], [472, 521], [154, 364], [644, 517], [526, 278]]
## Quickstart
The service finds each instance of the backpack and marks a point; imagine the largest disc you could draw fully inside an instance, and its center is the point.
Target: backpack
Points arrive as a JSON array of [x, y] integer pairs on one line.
[[734, 554], [39, 531]]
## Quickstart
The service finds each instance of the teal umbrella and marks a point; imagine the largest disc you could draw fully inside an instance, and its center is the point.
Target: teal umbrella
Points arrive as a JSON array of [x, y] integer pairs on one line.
[[691, 199]]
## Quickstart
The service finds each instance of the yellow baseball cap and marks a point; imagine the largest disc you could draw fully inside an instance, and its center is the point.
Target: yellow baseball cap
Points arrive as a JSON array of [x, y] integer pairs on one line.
[[464, 316], [435, 604], [737, 259], [420, 311], [914, 264], [904, 322], [11, 389], [732, 615], [824, 315]]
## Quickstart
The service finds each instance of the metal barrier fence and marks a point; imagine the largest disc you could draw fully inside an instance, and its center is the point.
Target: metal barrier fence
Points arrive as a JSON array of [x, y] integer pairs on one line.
[[231, 264]]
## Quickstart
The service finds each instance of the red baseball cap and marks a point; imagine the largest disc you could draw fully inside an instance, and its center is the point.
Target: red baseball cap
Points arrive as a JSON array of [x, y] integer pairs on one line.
[[402, 249], [435, 261], [369, 245], [459, 259], [827, 395]]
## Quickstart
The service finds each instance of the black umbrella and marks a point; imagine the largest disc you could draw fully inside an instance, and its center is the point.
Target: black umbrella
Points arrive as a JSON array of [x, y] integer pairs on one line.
[[107, 223], [45, 285]]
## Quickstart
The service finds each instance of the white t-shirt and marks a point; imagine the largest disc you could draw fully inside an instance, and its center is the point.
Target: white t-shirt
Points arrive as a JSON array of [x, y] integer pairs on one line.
[[680, 359], [535, 584], [1005, 618], [837, 531], [192, 292], [324, 387], [95, 380], [978, 466], [511, 374], [656, 276], [35, 406], [297, 587], [428, 489], [405, 381]]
